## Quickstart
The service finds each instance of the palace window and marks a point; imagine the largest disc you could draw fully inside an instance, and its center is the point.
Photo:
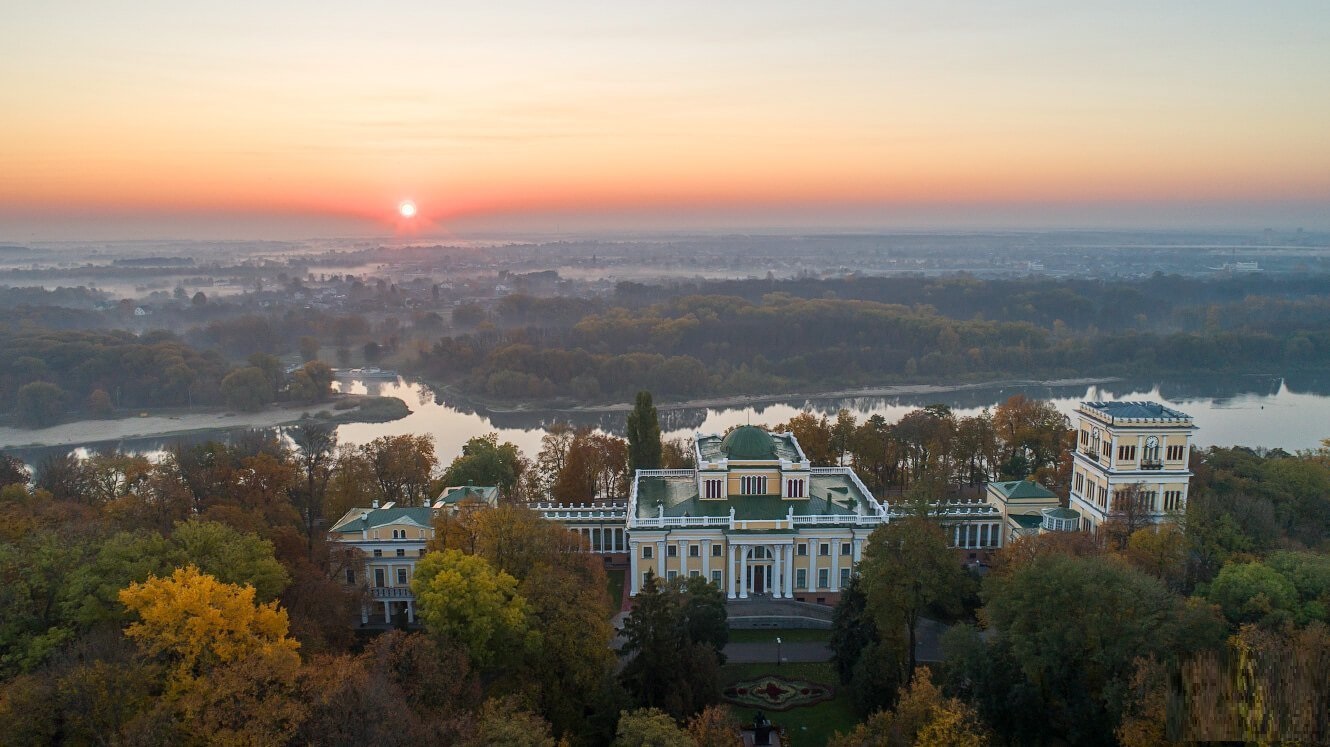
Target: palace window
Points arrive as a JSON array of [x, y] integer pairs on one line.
[[845, 548], [694, 574], [350, 576], [715, 550], [401, 552], [378, 553], [801, 578], [694, 551], [672, 551], [379, 580], [1127, 453], [803, 550], [422, 552], [1172, 500], [824, 549], [1176, 452], [671, 575], [844, 577], [715, 577], [794, 488], [823, 578], [1085, 437], [1080, 483], [401, 577], [712, 488], [753, 485], [646, 552]]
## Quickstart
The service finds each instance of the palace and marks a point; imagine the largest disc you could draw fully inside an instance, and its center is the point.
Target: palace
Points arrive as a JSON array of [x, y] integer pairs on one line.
[[754, 517]]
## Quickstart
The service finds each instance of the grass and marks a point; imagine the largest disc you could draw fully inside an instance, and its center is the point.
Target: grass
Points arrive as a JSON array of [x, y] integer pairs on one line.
[[614, 580], [809, 726], [786, 635]]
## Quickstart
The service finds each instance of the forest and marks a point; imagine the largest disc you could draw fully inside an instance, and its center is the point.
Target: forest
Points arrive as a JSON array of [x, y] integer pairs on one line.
[[820, 335], [194, 600]]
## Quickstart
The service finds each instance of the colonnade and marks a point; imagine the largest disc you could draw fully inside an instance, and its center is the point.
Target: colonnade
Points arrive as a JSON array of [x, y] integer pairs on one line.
[[603, 539], [976, 535], [744, 560]]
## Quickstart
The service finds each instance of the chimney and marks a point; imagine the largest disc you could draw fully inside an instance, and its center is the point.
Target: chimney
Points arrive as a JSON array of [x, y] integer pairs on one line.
[[374, 503]]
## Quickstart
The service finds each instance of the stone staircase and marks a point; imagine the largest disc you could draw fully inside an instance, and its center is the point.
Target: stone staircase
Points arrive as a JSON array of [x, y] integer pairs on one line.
[[758, 613]]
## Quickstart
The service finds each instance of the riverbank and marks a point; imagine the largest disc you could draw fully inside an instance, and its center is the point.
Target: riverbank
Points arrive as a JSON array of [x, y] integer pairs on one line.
[[733, 401], [179, 422]]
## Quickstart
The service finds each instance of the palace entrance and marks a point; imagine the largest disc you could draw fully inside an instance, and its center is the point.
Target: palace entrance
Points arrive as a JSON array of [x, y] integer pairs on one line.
[[759, 578]]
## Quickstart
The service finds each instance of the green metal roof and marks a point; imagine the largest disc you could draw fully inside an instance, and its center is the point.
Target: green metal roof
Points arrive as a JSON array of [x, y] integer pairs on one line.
[[482, 493], [1022, 490], [827, 495], [1027, 521], [748, 442], [368, 518]]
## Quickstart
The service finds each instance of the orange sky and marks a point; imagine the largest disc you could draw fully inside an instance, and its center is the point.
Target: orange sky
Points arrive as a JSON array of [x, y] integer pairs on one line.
[[330, 114]]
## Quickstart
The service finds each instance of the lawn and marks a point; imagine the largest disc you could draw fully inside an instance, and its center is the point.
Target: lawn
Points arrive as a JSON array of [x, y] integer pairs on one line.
[[786, 635], [614, 581], [809, 726]]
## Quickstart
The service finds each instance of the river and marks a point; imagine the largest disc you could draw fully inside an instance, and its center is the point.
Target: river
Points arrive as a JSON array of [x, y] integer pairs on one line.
[[1260, 411]]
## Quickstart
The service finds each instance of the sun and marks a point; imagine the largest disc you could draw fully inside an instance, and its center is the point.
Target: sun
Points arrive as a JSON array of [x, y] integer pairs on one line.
[[407, 209]]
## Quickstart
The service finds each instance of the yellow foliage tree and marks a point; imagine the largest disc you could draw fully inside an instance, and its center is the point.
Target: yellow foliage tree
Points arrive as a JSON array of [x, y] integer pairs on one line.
[[923, 718], [198, 623]]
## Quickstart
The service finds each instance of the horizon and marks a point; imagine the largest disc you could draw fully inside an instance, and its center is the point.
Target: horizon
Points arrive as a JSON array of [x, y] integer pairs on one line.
[[253, 122]]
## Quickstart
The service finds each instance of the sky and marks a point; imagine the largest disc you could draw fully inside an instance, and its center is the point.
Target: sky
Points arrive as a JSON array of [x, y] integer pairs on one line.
[[290, 118]]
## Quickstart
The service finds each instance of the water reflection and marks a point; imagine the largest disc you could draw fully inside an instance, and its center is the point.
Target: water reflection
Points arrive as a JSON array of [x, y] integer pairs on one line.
[[1268, 410]]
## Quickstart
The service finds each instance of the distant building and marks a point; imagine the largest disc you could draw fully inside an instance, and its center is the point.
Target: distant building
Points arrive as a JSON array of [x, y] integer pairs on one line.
[[390, 540], [1130, 452], [1022, 503]]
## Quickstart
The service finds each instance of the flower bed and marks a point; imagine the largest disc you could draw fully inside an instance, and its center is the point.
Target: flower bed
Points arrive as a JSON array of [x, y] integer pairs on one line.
[[776, 693]]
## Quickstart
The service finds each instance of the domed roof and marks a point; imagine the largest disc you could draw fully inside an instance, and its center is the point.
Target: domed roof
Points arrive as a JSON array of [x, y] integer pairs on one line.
[[748, 442]]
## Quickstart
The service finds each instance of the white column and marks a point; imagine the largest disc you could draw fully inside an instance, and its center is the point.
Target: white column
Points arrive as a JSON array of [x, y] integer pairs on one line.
[[410, 612], [835, 565], [364, 614], [633, 552], [683, 558], [706, 560], [789, 570], [388, 612], [743, 571], [857, 547], [729, 570], [777, 580], [956, 541], [662, 561], [812, 563]]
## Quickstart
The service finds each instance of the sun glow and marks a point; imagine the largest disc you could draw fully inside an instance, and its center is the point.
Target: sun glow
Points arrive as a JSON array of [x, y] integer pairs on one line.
[[407, 209]]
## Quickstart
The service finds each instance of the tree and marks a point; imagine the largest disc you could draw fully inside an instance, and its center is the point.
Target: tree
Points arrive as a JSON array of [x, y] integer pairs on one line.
[[852, 629], [814, 435], [703, 616], [503, 722], [99, 403], [13, 471], [247, 389], [1130, 512], [463, 598], [484, 461], [401, 467], [316, 446], [666, 668], [923, 716], [907, 570], [1033, 435], [197, 623], [715, 726], [39, 403], [644, 447], [650, 727], [1077, 625], [311, 382], [199, 299], [1253, 592], [309, 348], [1161, 552]]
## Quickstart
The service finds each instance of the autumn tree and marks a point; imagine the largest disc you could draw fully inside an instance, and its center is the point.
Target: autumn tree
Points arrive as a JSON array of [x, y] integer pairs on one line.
[[907, 570], [650, 727], [1033, 435], [462, 598], [316, 447], [247, 389], [644, 447], [196, 623], [814, 435], [401, 467], [922, 716], [40, 403]]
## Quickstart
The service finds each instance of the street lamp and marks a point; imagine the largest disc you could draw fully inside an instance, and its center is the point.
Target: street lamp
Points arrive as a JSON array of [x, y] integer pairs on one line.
[[777, 650]]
